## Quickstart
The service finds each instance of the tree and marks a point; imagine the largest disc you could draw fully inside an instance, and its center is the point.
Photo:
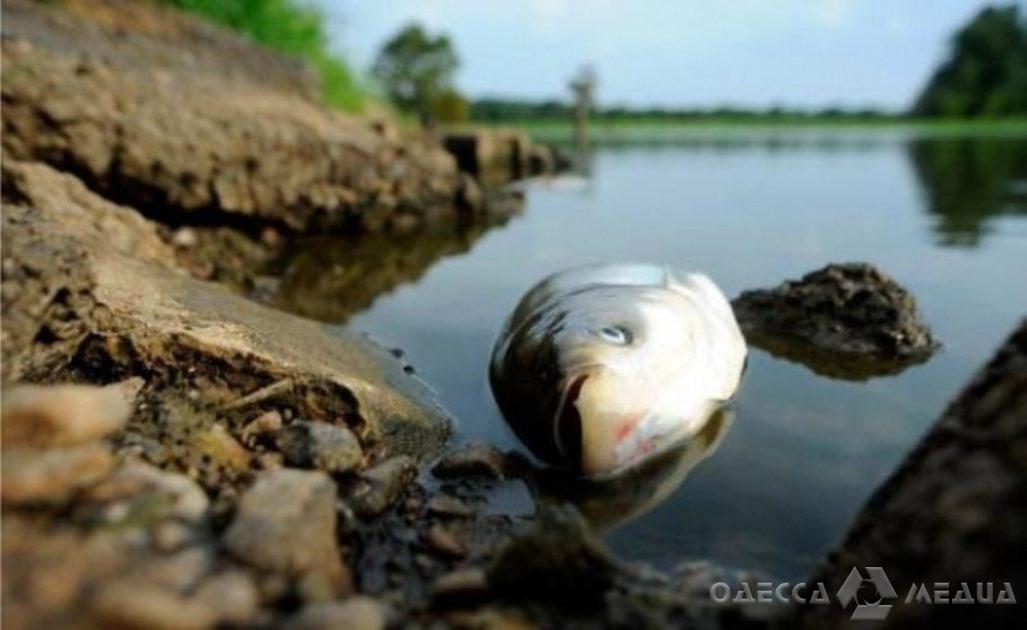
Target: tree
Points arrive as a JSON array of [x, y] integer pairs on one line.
[[451, 107], [416, 69], [986, 73]]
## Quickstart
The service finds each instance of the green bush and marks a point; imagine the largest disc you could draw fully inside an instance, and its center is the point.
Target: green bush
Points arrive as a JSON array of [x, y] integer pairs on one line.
[[289, 27]]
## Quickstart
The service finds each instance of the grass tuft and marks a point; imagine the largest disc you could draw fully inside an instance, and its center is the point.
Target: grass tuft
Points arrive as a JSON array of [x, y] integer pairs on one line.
[[290, 27]]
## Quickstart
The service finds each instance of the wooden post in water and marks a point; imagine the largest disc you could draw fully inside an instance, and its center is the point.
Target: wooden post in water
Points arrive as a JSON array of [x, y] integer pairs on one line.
[[583, 86]]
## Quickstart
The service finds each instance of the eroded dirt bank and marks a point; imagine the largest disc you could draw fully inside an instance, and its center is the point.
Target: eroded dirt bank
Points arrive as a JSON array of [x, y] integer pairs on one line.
[[180, 452]]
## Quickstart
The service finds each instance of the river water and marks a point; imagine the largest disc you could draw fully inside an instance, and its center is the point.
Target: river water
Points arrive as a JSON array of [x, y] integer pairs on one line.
[[945, 215]]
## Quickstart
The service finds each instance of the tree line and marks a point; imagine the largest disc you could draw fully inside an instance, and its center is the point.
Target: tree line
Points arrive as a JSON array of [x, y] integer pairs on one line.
[[984, 74]]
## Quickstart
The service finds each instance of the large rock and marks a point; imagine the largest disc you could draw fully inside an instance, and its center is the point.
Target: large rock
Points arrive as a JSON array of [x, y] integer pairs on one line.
[[133, 551], [847, 320], [52, 448], [955, 511], [65, 414], [91, 290], [285, 524], [51, 477], [189, 123]]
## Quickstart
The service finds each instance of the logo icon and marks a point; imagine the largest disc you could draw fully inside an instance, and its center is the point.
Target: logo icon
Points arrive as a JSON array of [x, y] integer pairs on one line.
[[868, 592]]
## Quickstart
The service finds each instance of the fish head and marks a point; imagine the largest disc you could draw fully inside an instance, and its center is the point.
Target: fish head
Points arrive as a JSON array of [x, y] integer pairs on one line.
[[623, 377]]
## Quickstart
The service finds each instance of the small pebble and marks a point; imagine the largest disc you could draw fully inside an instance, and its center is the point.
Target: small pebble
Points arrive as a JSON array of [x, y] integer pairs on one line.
[[267, 422], [471, 460], [445, 542], [382, 485], [445, 505], [320, 445], [170, 536], [358, 612], [185, 237], [461, 584]]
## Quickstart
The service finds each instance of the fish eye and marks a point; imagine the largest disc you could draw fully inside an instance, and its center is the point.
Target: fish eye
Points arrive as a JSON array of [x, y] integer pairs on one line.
[[617, 335]]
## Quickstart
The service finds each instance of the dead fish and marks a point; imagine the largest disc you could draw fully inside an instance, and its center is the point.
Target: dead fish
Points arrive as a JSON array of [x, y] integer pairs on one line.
[[602, 367]]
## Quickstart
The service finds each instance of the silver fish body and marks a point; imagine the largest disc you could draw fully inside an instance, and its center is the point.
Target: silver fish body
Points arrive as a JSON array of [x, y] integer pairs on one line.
[[602, 367]]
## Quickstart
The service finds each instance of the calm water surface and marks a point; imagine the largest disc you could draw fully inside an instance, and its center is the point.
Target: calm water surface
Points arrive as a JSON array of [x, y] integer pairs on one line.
[[945, 216]]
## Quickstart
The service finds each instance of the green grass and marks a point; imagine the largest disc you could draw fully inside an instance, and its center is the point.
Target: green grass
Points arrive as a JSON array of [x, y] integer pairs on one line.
[[663, 130], [290, 27]]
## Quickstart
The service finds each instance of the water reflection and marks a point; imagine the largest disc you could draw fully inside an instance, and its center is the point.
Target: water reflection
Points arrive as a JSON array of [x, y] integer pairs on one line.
[[332, 279], [611, 503], [968, 181], [830, 364]]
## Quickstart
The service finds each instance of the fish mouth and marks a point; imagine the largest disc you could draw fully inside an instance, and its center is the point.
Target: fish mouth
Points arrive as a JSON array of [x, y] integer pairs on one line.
[[568, 429]]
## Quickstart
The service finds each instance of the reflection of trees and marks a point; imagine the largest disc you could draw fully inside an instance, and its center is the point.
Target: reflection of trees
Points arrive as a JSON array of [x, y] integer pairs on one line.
[[968, 180]]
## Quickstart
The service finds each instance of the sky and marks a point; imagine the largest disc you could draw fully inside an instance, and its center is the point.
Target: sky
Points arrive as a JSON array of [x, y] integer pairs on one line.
[[802, 53]]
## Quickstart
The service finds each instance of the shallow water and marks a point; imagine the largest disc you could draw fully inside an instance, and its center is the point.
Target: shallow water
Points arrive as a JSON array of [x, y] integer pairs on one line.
[[945, 216]]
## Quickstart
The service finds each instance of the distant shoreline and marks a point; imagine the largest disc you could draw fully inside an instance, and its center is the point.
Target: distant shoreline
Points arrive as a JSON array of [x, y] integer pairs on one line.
[[656, 130]]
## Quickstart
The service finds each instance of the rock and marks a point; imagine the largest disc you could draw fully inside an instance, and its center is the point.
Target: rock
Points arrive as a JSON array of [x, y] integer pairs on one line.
[[471, 460], [165, 494], [445, 542], [231, 596], [177, 592], [53, 476], [355, 613], [265, 423], [180, 571], [380, 486], [47, 568], [327, 447], [556, 558], [216, 444], [164, 597], [131, 604], [465, 585], [491, 617], [39, 415], [149, 126], [954, 511], [541, 160], [185, 237], [169, 536], [848, 320], [447, 505], [97, 282], [285, 524], [491, 155]]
